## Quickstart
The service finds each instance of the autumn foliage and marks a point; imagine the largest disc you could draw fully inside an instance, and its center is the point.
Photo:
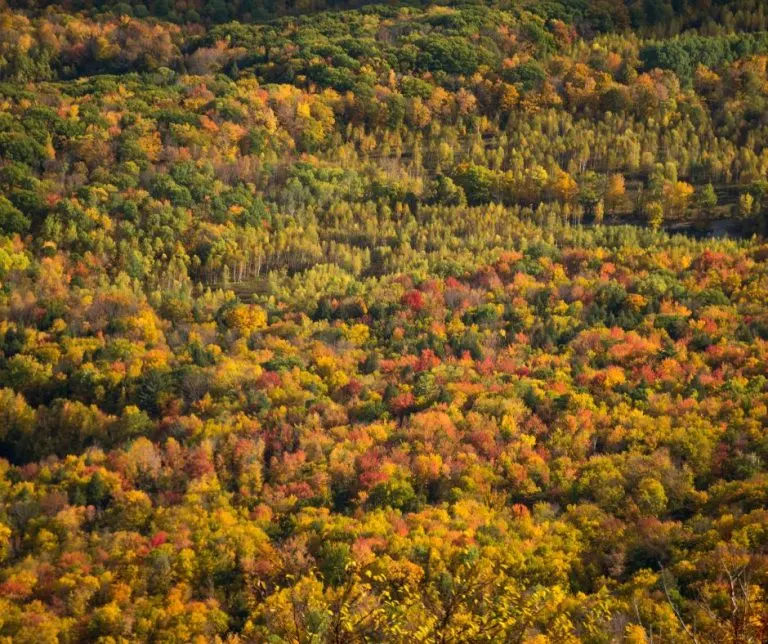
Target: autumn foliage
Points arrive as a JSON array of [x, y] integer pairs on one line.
[[377, 326]]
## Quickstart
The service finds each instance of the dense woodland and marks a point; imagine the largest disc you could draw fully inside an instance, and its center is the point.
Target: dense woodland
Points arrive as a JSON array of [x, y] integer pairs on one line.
[[342, 322]]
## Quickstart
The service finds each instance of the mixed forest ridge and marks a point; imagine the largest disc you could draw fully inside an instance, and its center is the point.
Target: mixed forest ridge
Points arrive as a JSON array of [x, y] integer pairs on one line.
[[343, 322]]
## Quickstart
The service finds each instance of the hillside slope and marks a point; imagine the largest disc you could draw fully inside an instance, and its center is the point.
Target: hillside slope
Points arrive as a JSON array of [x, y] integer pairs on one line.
[[363, 325]]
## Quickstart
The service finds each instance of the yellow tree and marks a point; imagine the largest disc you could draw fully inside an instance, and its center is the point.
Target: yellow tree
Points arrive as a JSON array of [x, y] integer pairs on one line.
[[677, 196], [615, 193], [564, 186]]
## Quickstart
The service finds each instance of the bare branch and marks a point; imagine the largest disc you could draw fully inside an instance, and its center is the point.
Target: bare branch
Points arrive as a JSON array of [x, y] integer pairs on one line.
[[680, 619]]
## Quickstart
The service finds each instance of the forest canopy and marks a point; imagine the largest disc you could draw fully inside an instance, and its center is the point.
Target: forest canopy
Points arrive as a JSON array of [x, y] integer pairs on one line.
[[332, 321]]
